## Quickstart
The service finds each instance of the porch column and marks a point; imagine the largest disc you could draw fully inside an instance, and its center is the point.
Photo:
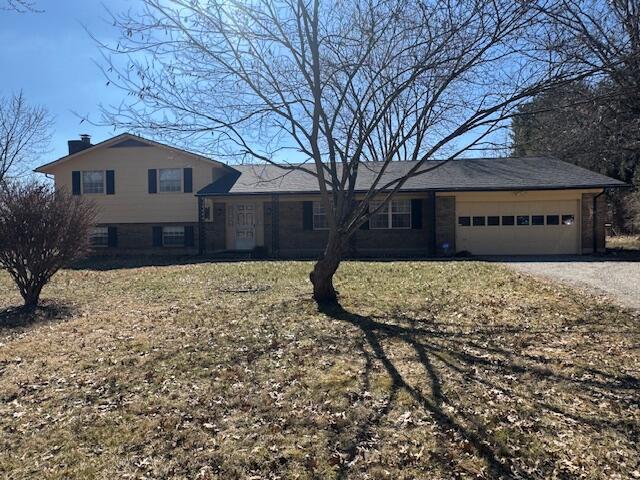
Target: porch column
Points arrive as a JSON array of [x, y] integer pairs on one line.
[[201, 230], [275, 224]]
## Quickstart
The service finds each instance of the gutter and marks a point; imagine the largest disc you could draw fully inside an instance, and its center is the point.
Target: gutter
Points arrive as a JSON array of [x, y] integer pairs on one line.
[[421, 190]]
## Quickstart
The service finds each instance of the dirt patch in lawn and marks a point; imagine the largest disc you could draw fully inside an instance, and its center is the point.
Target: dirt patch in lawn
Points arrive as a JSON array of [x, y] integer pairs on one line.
[[429, 370]]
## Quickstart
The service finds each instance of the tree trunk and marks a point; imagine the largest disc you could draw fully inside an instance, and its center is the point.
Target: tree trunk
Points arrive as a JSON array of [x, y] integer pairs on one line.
[[322, 275], [31, 296]]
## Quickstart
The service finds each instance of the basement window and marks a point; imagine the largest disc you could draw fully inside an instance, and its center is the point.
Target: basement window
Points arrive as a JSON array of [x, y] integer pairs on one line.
[[99, 237], [173, 236]]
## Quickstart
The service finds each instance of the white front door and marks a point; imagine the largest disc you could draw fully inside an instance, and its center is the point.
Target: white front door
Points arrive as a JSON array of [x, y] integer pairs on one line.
[[245, 226]]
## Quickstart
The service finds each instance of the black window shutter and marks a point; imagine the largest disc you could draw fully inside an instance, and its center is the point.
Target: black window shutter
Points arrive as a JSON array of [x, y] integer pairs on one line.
[[112, 236], [157, 236], [307, 215], [188, 180], [111, 182], [365, 225], [189, 240], [416, 213], [75, 183], [153, 182]]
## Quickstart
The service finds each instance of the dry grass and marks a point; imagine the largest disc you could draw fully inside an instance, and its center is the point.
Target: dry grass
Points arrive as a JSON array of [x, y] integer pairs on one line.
[[223, 371], [624, 242]]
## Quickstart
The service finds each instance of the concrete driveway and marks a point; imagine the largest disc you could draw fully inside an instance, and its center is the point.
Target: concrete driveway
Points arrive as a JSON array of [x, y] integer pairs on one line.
[[618, 279]]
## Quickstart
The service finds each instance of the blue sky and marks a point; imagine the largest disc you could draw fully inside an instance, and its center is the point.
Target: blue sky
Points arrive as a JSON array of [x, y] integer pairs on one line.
[[51, 58]]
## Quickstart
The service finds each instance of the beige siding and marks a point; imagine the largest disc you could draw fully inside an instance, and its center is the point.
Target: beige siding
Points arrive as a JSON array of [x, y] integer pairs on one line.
[[132, 203]]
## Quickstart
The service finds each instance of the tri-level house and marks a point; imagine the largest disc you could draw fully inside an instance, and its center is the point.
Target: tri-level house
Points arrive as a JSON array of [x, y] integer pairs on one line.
[[157, 199]]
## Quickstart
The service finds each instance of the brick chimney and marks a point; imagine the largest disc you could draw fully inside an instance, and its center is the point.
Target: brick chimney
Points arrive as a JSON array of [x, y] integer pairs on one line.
[[76, 146]]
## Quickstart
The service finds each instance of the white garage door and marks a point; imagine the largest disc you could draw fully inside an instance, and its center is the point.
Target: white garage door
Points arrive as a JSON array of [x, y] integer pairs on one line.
[[518, 228]]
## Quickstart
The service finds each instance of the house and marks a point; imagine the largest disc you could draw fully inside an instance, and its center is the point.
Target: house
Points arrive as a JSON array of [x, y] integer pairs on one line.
[[154, 198]]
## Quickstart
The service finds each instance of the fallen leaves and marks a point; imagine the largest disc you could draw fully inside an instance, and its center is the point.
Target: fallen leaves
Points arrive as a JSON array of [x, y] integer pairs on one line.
[[222, 371]]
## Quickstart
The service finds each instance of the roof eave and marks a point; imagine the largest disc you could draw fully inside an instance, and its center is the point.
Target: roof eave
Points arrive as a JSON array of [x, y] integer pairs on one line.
[[438, 189], [106, 143]]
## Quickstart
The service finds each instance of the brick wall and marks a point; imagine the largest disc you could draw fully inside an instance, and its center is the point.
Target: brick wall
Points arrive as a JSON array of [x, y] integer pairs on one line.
[[137, 239], [293, 241], [400, 242], [215, 232], [445, 225], [587, 222]]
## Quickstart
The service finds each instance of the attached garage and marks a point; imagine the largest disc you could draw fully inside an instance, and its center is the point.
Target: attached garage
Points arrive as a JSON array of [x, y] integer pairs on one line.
[[519, 223]]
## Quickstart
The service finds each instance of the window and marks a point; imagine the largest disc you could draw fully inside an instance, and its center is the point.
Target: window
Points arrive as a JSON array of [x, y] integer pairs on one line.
[[395, 214], [508, 220], [464, 221], [319, 217], [93, 181], [170, 179], [478, 221], [553, 219], [381, 218], [537, 219], [493, 221], [173, 236], [400, 214], [522, 219], [99, 237], [568, 219]]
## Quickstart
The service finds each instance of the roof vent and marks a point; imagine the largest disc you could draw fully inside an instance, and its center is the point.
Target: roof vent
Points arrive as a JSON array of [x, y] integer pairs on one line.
[[76, 146]]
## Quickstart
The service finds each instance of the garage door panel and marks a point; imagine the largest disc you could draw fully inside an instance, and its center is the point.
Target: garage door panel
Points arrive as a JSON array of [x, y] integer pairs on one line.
[[518, 239]]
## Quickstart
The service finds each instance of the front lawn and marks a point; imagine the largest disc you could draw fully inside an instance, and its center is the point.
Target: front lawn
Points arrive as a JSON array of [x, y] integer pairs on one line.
[[227, 370], [624, 242]]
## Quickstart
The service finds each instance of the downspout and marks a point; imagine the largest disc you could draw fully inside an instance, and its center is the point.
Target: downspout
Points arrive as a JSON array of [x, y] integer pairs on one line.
[[594, 218]]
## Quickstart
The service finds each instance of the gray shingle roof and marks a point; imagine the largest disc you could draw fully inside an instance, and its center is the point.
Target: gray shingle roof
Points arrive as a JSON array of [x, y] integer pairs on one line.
[[523, 173]]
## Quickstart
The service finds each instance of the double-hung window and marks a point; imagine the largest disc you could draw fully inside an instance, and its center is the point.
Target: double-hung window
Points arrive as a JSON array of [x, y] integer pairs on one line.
[[173, 236], [400, 214], [319, 217], [170, 179], [99, 237], [93, 181], [394, 214]]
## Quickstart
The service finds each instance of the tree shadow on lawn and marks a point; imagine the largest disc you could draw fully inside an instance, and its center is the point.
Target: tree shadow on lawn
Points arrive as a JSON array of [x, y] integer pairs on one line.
[[17, 318], [474, 358]]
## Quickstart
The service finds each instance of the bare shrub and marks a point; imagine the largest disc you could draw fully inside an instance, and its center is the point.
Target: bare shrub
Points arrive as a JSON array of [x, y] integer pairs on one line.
[[41, 230]]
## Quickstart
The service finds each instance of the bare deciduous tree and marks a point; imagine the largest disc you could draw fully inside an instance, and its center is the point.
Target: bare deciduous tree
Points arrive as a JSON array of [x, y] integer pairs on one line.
[[596, 123], [25, 132], [330, 88], [41, 231]]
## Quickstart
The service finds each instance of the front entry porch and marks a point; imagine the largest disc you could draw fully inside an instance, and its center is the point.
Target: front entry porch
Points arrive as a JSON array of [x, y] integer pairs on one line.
[[232, 227]]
